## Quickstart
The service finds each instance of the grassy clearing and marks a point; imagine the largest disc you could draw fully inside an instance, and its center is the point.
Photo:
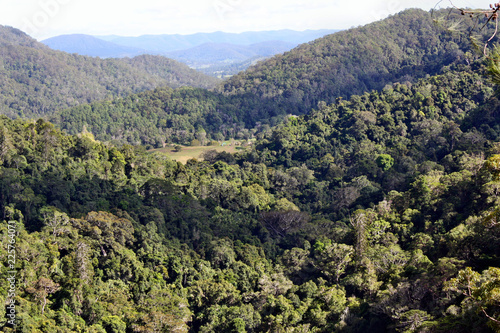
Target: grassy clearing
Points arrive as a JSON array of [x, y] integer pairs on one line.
[[189, 152]]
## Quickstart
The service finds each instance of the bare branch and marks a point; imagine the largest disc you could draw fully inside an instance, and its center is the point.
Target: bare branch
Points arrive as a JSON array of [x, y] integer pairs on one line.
[[491, 14], [490, 317]]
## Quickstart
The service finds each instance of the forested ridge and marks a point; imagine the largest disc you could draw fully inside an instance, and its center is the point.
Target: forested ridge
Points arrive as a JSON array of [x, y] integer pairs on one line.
[[374, 212], [402, 48], [36, 81], [164, 115]]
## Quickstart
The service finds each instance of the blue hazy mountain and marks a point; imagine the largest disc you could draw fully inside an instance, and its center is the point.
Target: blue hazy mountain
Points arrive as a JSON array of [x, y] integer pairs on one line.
[[91, 46], [168, 43], [212, 53]]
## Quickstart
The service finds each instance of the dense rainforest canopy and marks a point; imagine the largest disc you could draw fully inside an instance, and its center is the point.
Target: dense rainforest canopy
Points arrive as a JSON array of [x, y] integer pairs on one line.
[[377, 212]]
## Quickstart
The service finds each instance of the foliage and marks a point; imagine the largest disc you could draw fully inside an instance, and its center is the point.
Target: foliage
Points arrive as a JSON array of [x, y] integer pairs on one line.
[[375, 213], [402, 48], [36, 81]]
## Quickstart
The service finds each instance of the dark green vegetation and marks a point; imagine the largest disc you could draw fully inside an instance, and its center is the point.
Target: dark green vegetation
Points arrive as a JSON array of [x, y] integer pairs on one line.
[[36, 81], [402, 48], [375, 213], [354, 218], [167, 115], [216, 54]]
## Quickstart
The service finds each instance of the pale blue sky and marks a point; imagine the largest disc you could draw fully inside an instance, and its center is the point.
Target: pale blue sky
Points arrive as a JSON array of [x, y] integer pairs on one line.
[[46, 18]]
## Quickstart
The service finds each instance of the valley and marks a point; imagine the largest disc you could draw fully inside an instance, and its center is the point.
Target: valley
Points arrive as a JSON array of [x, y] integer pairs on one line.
[[216, 54], [350, 184]]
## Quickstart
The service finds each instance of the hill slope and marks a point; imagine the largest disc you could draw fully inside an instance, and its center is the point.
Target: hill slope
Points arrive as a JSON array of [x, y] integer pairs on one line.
[[36, 80], [401, 48], [174, 72], [371, 207]]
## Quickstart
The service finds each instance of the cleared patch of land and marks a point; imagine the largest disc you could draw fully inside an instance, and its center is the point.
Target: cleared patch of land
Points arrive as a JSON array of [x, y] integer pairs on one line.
[[189, 152]]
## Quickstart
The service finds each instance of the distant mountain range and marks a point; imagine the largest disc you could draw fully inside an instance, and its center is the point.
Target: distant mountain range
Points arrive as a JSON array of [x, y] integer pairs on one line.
[[169, 43], [201, 51], [223, 53], [91, 46]]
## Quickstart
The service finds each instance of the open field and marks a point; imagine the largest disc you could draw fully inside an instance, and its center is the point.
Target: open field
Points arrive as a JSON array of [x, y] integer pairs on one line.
[[189, 152]]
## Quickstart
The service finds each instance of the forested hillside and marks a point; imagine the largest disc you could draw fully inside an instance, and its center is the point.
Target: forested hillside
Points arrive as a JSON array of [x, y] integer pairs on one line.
[[372, 214], [36, 80], [167, 115], [174, 72], [403, 47], [377, 212]]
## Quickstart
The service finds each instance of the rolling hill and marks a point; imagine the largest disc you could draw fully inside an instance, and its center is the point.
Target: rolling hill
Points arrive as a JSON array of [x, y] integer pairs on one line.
[[36, 80], [403, 47]]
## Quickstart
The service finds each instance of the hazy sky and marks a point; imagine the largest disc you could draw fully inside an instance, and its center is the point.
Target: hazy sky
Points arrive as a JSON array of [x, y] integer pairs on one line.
[[46, 18]]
